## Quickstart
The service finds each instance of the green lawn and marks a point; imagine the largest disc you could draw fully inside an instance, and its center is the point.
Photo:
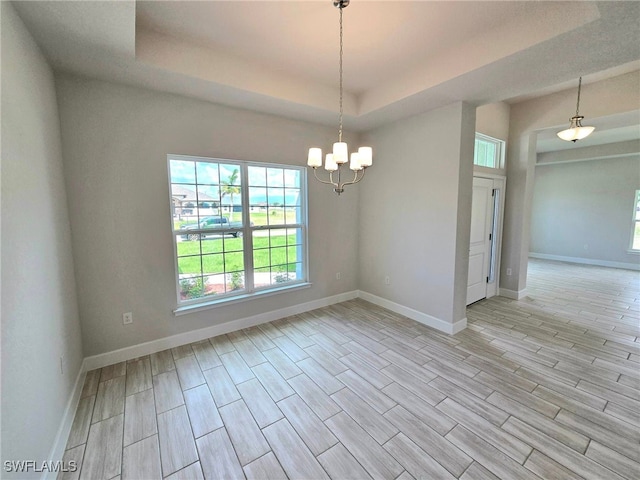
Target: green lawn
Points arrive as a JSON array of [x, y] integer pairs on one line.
[[258, 218], [275, 218], [221, 255]]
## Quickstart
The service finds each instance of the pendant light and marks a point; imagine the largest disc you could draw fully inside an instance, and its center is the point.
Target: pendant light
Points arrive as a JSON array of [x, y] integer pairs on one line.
[[576, 131], [359, 161]]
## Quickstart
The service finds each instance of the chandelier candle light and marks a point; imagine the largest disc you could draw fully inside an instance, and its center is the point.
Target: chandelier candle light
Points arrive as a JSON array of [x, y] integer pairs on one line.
[[576, 131], [360, 160]]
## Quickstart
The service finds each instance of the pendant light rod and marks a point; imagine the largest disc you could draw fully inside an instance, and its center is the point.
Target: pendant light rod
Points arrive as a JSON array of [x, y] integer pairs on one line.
[[341, 4], [578, 102]]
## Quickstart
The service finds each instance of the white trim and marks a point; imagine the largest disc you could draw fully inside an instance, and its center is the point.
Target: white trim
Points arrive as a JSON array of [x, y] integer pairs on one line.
[[223, 302], [490, 175], [500, 154], [634, 223], [189, 306], [586, 261], [147, 348], [513, 294], [500, 184], [60, 443], [586, 159], [425, 319]]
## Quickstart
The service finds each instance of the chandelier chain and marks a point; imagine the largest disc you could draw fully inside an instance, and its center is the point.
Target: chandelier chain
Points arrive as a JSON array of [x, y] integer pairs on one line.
[[335, 161]]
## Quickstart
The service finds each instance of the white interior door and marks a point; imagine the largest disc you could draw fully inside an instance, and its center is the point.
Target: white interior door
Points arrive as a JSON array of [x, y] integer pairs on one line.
[[480, 239]]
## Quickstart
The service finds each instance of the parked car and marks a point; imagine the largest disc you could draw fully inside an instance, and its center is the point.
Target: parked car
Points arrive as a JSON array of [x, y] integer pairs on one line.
[[211, 223]]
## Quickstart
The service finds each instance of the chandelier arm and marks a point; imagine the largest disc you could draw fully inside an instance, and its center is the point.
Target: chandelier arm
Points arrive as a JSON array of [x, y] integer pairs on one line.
[[331, 182], [356, 179]]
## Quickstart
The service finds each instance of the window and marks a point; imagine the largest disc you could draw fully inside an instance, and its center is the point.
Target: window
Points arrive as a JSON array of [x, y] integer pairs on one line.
[[488, 152], [635, 228], [239, 227]]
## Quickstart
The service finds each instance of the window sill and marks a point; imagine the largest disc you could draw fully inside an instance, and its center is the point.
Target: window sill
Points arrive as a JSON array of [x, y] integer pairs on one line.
[[223, 302], [633, 252]]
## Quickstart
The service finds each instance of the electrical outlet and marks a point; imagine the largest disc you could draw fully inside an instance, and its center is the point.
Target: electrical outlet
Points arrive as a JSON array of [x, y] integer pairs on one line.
[[338, 276], [508, 271], [387, 280], [127, 318]]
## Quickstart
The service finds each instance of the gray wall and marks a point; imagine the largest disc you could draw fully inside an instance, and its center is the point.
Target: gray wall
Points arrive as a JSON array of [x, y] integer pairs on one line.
[[115, 142], [583, 209], [39, 310], [415, 208], [608, 97], [493, 120]]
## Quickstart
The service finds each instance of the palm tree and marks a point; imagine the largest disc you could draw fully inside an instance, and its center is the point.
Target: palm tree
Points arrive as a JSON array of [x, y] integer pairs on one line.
[[230, 188]]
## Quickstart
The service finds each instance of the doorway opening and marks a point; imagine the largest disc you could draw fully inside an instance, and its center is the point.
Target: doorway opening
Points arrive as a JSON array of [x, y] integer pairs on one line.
[[485, 239]]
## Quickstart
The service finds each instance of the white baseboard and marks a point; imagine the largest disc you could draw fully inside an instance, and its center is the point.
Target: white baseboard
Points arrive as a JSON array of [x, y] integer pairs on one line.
[[147, 348], [586, 261], [513, 294], [57, 452], [425, 319]]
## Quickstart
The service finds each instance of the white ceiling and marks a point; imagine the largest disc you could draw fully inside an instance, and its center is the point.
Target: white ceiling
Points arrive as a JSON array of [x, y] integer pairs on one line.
[[302, 38], [401, 57]]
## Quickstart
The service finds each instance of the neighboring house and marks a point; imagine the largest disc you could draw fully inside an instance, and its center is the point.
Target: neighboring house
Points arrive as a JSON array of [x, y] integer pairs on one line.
[[185, 202]]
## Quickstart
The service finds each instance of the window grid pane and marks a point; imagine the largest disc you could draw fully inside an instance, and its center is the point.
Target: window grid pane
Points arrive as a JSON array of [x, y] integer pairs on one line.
[[211, 235], [279, 260], [635, 227], [487, 152]]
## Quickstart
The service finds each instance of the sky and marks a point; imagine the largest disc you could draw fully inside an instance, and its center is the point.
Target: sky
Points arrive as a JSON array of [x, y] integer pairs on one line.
[[275, 185]]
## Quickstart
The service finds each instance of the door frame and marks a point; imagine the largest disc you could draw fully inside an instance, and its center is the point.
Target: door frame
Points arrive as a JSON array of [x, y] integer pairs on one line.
[[499, 183]]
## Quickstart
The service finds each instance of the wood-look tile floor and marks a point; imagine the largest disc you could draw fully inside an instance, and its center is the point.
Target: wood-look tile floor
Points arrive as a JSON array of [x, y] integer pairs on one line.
[[546, 387]]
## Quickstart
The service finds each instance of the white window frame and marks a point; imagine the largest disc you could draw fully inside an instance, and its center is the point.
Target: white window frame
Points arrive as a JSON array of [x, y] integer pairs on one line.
[[635, 221], [500, 151], [249, 291]]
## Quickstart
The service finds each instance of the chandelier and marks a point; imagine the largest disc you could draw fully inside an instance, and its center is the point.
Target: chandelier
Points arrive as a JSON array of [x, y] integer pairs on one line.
[[576, 131], [358, 162]]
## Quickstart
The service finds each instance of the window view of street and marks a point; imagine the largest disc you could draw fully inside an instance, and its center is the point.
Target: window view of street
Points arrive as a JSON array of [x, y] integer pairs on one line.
[[635, 239], [224, 247]]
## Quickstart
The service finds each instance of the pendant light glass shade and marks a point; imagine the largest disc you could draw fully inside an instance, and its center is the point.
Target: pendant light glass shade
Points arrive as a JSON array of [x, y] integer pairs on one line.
[[575, 131], [365, 155], [315, 157], [355, 162], [330, 164], [340, 152]]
